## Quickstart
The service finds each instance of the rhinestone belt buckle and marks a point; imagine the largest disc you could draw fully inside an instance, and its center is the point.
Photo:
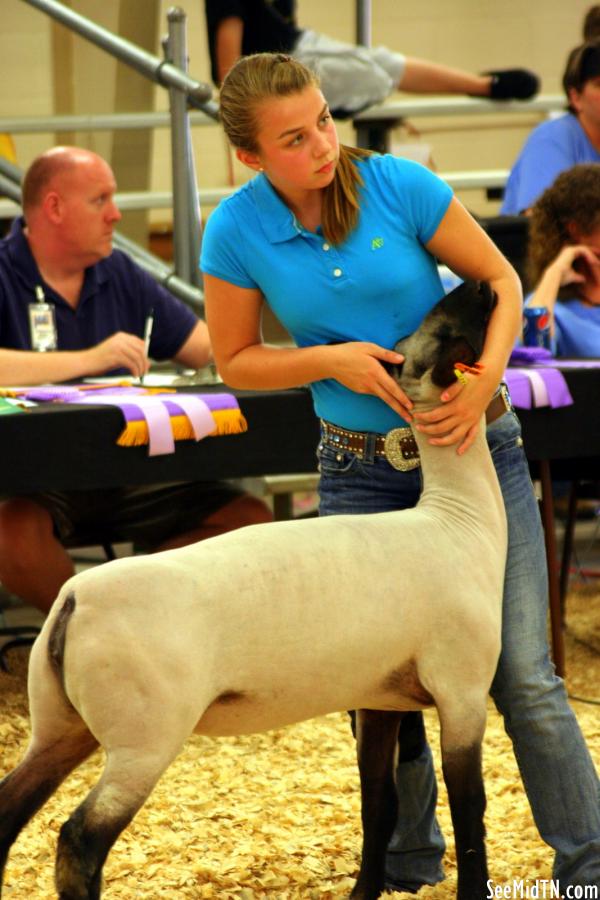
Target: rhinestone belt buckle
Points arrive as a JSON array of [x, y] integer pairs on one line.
[[400, 449]]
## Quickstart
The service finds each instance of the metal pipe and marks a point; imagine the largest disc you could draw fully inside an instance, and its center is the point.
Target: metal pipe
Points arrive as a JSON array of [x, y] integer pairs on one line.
[[164, 73], [363, 22], [182, 250], [141, 200], [102, 122], [442, 106], [452, 106], [9, 188], [10, 170], [161, 272], [164, 199]]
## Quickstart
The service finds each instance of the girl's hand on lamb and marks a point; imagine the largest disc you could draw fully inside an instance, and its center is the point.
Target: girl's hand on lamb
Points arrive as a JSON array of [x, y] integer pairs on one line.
[[457, 420], [361, 366]]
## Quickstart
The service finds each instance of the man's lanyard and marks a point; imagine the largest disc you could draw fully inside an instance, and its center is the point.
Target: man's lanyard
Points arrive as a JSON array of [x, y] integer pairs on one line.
[[42, 323]]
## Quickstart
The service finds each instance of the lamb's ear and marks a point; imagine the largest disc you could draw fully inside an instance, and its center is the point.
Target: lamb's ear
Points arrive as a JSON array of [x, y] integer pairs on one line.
[[452, 351]]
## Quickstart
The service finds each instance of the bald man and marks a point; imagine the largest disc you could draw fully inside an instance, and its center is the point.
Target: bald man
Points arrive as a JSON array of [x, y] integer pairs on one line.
[[95, 304]]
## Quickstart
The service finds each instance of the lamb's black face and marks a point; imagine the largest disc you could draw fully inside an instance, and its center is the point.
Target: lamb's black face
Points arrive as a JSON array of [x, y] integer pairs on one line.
[[454, 331]]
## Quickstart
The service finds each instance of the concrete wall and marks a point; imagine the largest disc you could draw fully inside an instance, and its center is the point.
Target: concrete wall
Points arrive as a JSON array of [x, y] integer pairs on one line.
[[46, 70]]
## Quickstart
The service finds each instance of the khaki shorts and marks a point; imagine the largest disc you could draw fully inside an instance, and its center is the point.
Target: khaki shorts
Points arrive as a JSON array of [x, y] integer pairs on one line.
[[146, 515], [352, 77]]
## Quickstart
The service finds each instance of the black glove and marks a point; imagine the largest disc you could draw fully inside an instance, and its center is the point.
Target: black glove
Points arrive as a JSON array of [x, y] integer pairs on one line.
[[513, 84]]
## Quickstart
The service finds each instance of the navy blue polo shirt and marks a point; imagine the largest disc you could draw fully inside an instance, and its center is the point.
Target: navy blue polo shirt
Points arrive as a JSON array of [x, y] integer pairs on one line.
[[376, 286], [117, 295]]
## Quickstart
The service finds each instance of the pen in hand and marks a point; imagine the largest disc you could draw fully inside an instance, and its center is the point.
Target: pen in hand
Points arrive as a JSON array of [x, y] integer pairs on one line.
[[147, 336]]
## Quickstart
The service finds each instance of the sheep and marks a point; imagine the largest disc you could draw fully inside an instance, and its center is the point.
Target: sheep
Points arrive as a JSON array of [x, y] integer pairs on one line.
[[281, 622]]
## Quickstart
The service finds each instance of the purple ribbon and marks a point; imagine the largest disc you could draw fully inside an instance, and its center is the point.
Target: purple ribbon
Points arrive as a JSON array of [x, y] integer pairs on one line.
[[156, 409], [540, 384], [537, 387]]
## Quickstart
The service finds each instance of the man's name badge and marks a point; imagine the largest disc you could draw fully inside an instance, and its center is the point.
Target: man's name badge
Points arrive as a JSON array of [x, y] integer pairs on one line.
[[42, 326]]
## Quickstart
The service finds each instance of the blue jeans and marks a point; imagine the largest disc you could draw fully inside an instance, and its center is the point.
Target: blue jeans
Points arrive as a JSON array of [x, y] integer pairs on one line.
[[557, 770]]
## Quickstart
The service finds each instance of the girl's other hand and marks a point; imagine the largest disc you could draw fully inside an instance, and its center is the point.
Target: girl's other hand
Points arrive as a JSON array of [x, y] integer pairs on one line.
[[360, 366]]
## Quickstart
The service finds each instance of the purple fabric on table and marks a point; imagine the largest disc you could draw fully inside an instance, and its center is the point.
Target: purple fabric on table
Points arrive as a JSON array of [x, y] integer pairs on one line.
[[173, 402], [577, 363], [540, 383], [75, 394], [138, 404], [523, 356], [157, 409], [537, 387]]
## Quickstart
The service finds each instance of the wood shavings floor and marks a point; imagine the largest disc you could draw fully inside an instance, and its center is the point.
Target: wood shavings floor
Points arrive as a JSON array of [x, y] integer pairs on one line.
[[277, 815]]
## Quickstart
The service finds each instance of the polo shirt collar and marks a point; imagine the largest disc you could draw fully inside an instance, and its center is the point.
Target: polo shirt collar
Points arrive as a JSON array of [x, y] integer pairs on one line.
[[25, 266], [277, 220]]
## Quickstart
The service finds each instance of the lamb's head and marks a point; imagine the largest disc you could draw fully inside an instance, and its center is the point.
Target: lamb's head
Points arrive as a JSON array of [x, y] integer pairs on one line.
[[453, 331]]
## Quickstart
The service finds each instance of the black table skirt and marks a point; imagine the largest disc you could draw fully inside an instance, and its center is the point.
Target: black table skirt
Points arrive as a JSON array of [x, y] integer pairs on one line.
[[61, 446]]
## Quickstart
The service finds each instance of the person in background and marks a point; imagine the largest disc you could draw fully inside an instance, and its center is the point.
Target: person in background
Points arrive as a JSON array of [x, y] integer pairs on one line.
[[342, 244], [563, 260], [100, 300], [352, 77], [591, 24], [562, 142]]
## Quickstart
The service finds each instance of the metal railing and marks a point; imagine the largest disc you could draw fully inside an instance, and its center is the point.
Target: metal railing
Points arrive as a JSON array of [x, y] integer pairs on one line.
[[372, 127], [391, 111], [161, 71], [136, 200], [171, 73]]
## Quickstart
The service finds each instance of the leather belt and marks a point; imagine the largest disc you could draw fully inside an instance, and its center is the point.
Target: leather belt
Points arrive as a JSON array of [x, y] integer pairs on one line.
[[498, 405], [398, 446]]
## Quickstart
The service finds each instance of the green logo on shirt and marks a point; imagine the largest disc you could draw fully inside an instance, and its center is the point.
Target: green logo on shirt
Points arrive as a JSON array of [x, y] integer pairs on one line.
[[376, 243]]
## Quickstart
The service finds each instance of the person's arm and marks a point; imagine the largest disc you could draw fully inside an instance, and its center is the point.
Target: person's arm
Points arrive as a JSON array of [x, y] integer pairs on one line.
[[561, 272], [464, 247], [228, 44], [233, 315], [196, 351], [25, 367]]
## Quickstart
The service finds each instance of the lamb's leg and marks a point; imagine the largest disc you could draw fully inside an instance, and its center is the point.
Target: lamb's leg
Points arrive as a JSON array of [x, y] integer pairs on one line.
[[377, 735], [130, 774], [24, 790], [461, 765]]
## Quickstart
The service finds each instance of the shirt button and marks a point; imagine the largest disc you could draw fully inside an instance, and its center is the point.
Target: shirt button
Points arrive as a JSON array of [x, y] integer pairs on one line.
[[337, 272], [325, 247]]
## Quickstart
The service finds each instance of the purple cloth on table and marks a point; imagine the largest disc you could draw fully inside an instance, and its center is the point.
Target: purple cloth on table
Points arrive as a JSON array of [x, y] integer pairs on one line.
[[138, 404], [523, 356], [537, 387]]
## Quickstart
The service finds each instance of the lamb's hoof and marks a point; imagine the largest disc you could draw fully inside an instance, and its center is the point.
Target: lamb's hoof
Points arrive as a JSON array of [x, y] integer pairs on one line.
[[408, 887]]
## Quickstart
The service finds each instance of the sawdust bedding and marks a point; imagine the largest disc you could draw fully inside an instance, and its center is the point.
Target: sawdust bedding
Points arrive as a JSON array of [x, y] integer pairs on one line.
[[277, 815]]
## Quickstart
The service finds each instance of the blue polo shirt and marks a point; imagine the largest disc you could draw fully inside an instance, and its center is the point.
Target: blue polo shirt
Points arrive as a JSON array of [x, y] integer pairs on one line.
[[377, 286], [577, 329], [550, 149], [117, 295]]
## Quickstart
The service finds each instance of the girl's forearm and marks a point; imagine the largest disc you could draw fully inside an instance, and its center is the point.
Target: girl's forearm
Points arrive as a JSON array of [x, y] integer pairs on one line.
[[266, 367], [504, 327]]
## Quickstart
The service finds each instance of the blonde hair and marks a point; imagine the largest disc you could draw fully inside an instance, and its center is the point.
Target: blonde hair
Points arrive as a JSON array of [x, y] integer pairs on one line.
[[263, 76], [573, 199]]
